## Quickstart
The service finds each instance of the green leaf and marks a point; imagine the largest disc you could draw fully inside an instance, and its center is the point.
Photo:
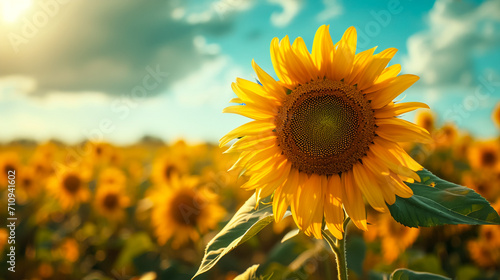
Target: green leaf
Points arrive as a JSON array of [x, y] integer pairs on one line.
[[251, 274], [356, 251], [291, 234], [246, 223], [406, 274], [136, 244], [439, 202]]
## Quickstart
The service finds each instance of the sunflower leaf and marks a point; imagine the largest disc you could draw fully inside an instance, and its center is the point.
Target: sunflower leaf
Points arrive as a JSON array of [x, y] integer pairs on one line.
[[251, 274], [439, 202], [406, 274], [246, 223]]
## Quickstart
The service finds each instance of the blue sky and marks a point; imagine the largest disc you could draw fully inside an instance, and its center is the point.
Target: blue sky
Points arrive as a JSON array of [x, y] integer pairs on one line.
[[74, 70]]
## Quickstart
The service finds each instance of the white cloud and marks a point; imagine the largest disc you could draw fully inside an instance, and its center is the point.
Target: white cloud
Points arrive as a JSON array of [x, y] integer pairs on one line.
[[201, 45], [10, 86], [210, 85], [290, 9], [444, 54], [333, 8], [212, 9]]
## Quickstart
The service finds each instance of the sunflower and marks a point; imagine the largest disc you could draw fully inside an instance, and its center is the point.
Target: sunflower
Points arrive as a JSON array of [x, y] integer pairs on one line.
[[485, 156], [485, 251], [326, 134], [182, 211], [112, 176], [110, 201], [487, 185], [27, 183], [70, 187], [426, 119], [395, 237], [165, 167], [446, 135], [495, 116], [102, 153], [9, 161]]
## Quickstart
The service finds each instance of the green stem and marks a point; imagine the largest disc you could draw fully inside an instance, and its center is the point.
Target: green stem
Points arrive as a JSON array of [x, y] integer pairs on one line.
[[338, 248]]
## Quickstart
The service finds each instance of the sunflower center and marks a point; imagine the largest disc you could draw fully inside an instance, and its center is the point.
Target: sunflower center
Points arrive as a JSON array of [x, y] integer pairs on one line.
[[325, 127], [185, 210], [110, 201], [488, 158], [169, 170], [27, 182], [71, 183], [7, 168]]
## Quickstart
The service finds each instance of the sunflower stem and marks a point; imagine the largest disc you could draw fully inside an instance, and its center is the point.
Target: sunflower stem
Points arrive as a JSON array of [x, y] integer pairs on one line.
[[338, 248]]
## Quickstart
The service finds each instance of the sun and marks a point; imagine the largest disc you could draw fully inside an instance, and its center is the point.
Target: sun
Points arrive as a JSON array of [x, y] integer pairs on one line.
[[13, 9]]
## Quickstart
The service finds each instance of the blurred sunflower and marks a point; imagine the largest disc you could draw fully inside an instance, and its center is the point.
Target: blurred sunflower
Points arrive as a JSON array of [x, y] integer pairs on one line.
[[70, 187], [395, 237], [496, 115], [101, 153], [182, 211], [112, 176], [426, 119], [326, 134], [42, 166], [111, 201], [165, 167], [487, 185], [9, 161], [28, 185], [485, 251], [485, 155], [446, 135]]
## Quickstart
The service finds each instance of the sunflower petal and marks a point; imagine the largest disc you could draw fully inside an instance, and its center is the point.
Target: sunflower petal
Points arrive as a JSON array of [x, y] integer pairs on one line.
[[354, 204], [334, 213]]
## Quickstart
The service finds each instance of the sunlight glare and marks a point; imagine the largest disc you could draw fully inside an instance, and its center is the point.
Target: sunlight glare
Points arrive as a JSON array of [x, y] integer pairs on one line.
[[11, 10]]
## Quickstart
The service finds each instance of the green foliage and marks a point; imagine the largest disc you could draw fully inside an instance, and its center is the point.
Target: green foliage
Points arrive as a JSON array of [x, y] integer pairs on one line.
[[251, 274], [439, 202], [356, 251], [246, 223], [135, 245], [406, 274]]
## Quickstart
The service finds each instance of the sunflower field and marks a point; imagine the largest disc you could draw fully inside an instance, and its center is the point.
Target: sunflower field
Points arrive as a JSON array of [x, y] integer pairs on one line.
[[359, 140], [147, 211]]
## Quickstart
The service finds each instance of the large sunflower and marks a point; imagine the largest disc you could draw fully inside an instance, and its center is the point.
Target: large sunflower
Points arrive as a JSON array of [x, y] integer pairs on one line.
[[326, 134]]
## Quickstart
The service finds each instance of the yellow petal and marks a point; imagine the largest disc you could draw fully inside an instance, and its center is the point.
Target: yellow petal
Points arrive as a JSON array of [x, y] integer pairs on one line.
[[251, 128], [398, 109], [394, 88], [375, 68], [399, 130], [270, 85], [334, 213], [369, 188], [283, 194], [353, 201], [361, 60], [322, 48], [248, 112]]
